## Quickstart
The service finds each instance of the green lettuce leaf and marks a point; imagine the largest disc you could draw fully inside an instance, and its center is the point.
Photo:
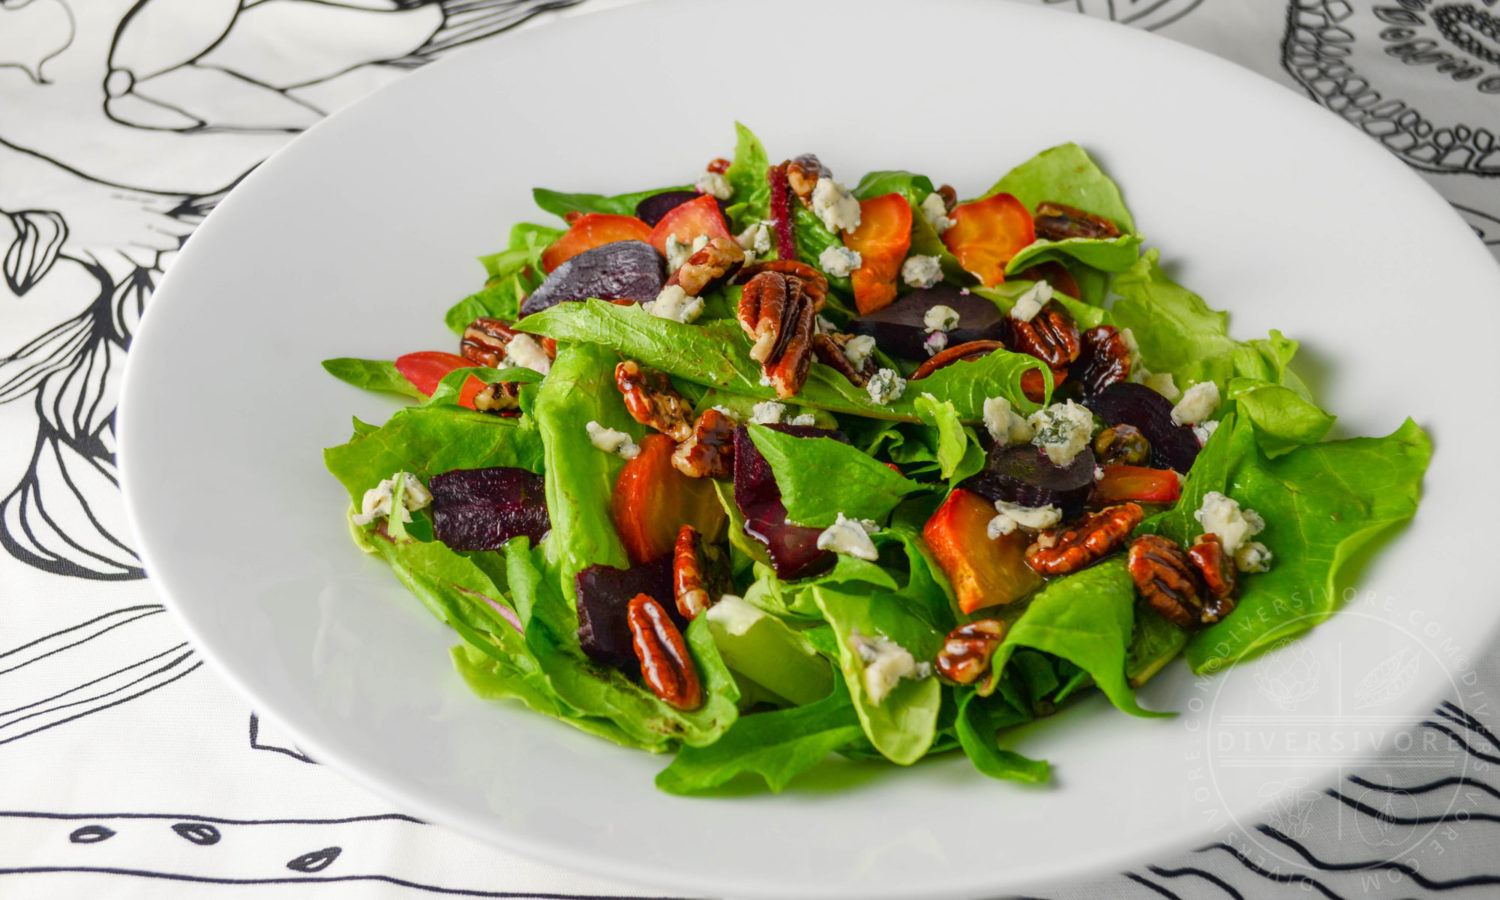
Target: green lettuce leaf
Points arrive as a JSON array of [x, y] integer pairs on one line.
[[372, 375], [524, 251], [1113, 255], [1066, 174], [560, 204], [1283, 418], [500, 299], [747, 177], [813, 237], [863, 488], [957, 452], [976, 727]]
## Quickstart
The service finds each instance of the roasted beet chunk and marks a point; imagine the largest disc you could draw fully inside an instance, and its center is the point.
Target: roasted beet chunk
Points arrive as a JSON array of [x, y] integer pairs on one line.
[[1173, 446], [622, 270], [901, 330], [1023, 474], [604, 594], [481, 509], [793, 548], [652, 209]]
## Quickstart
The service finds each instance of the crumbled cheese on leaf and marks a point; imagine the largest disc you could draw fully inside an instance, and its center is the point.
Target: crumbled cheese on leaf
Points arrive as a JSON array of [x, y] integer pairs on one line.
[[935, 211], [611, 441], [679, 252], [525, 351], [1063, 430], [714, 183], [1011, 516], [1197, 404], [376, 503], [885, 664], [1004, 424], [1223, 516], [886, 387], [734, 614], [768, 412], [935, 343], [921, 271], [1205, 431], [1162, 383], [674, 303], [806, 419], [1253, 557], [1031, 302], [858, 349], [755, 240], [839, 261], [835, 206], [940, 318], [851, 537]]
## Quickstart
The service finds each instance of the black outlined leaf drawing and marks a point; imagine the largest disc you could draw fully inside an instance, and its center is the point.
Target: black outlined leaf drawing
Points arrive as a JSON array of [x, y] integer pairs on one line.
[[39, 238], [200, 833], [316, 861], [91, 834], [1147, 14]]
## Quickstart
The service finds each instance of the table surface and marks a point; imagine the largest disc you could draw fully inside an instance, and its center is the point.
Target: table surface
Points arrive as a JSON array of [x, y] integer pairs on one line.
[[128, 771]]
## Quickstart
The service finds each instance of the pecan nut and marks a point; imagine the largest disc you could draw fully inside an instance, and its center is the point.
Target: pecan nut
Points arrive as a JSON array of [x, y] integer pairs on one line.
[[719, 165], [689, 582], [651, 400], [1050, 336], [502, 398], [666, 667], [1068, 548], [1218, 573], [1035, 388], [1104, 360], [802, 176], [1122, 445], [1057, 222], [1166, 578], [956, 353], [709, 451], [484, 342], [717, 259], [949, 195], [968, 649], [829, 348], [779, 309]]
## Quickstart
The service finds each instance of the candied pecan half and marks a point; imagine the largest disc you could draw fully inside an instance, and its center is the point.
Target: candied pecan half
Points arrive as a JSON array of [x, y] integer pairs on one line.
[[1104, 359], [814, 282], [779, 310], [709, 451], [651, 400], [1217, 569], [1035, 388], [968, 649], [1166, 578], [829, 348], [1122, 445], [949, 195], [719, 165], [1068, 548], [1050, 336], [802, 176], [719, 258], [1057, 222], [485, 339], [666, 667], [956, 353], [502, 398], [688, 582]]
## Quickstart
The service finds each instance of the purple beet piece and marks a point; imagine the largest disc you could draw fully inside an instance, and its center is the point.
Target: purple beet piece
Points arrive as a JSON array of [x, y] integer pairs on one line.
[[1023, 474], [481, 509], [622, 270], [604, 593], [793, 548], [655, 207], [900, 331], [1173, 446]]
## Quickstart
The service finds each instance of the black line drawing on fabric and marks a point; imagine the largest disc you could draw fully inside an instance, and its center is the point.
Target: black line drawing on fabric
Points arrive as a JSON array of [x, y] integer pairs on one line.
[[35, 31], [259, 741], [1147, 14]]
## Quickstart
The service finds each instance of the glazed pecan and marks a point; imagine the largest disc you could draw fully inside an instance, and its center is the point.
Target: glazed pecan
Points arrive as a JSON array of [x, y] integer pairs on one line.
[[720, 257], [485, 339], [652, 401], [689, 581], [967, 650], [709, 451], [956, 353], [779, 310], [502, 398], [1218, 572], [814, 283], [1104, 359], [802, 175], [719, 166], [1057, 222], [1166, 578], [1035, 388], [949, 195], [1050, 336], [1068, 548], [666, 667], [1122, 445], [829, 348]]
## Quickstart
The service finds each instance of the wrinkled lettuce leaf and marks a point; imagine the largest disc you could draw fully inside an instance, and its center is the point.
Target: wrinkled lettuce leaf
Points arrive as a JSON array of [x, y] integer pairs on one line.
[[955, 447], [747, 177], [1066, 174], [499, 299], [524, 251], [821, 477], [560, 204], [976, 727]]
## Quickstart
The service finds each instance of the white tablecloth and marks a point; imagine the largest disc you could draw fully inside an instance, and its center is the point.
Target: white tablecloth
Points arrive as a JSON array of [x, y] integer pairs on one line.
[[127, 770]]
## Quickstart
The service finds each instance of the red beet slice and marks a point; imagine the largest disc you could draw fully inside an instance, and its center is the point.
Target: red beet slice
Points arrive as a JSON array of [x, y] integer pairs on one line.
[[781, 213], [481, 509], [604, 593], [655, 207], [1173, 446], [899, 329], [622, 270], [793, 548], [1023, 474]]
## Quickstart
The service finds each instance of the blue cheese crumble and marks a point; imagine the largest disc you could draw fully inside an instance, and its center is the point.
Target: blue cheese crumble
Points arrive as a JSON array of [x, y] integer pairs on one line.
[[1030, 303], [858, 349], [885, 664], [715, 184], [1062, 431], [525, 351], [885, 387], [1197, 404], [850, 537], [839, 261], [921, 271], [935, 211], [834, 206], [1010, 516], [940, 318], [673, 303], [1004, 424], [1222, 515], [612, 441], [376, 503]]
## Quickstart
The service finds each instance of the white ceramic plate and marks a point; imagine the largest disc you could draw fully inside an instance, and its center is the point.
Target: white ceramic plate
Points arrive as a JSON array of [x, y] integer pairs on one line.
[[355, 239]]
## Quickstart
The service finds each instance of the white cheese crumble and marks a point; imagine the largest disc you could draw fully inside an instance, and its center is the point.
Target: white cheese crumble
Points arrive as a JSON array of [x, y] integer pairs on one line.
[[858, 349], [935, 211], [768, 412], [940, 318], [734, 614], [727, 413], [765, 380], [1205, 431], [674, 303], [806, 420], [1063, 430], [1222, 516], [376, 503], [1162, 383], [851, 537], [679, 252], [1197, 404], [839, 261], [1031, 302], [714, 183], [921, 271], [835, 206], [1011, 516], [525, 351], [1004, 424], [1253, 557], [885, 664], [755, 240], [611, 441], [935, 343], [886, 387]]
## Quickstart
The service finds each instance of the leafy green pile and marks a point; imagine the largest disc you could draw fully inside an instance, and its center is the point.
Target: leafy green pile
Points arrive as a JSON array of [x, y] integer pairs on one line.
[[783, 687]]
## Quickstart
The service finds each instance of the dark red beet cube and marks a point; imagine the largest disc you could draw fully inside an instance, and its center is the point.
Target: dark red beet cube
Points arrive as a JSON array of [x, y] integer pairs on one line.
[[900, 329], [793, 548], [604, 592], [622, 270], [1173, 446], [481, 509]]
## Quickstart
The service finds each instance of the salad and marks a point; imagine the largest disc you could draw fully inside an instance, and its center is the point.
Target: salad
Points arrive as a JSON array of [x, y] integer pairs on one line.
[[776, 466]]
